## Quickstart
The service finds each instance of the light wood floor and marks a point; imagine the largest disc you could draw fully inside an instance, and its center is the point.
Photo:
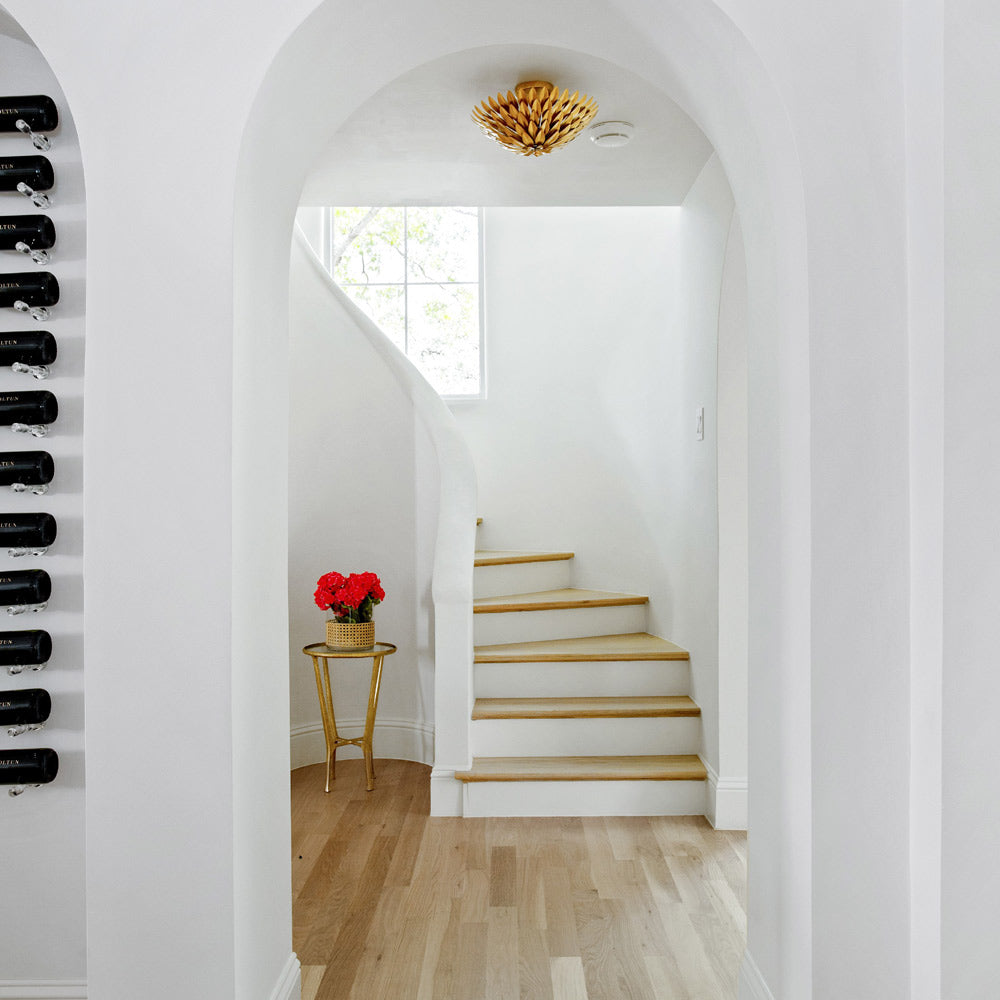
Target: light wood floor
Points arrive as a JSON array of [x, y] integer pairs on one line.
[[389, 904]]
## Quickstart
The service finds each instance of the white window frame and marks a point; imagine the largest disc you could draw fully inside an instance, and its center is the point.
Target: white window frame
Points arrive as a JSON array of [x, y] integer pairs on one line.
[[327, 252]]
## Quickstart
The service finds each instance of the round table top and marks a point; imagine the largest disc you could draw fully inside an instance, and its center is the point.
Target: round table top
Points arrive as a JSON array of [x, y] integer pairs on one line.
[[349, 652]]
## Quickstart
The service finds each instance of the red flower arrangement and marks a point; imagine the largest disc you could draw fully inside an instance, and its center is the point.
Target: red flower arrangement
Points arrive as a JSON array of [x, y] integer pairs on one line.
[[350, 598]]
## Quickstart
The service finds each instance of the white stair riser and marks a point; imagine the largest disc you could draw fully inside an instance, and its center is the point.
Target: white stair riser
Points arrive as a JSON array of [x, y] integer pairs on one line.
[[584, 737], [568, 623], [584, 798], [587, 679], [520, 578]]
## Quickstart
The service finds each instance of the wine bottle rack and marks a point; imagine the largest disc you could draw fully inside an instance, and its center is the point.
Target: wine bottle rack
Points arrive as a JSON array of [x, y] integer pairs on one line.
[[28, 237]]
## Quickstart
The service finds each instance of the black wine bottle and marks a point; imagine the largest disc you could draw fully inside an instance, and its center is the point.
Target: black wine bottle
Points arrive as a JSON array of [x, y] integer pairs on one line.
[[27, 707], [35, 171], [28, 767], [38, 111], [35, 231], [32, 468], [24, 586], [25, 649], [37, 288], [29, 347], [32, 531], [38, 406]]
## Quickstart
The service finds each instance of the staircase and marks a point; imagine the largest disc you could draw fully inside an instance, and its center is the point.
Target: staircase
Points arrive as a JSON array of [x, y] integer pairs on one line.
[[578, 710]]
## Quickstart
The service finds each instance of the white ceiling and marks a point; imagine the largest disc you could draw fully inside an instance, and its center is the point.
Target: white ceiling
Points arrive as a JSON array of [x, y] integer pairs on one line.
[[414, 142]]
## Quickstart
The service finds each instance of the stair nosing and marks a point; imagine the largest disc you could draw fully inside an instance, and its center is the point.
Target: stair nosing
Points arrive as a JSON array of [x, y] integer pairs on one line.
[[691, 768], [542, 709], [565, 604], [537, 654]]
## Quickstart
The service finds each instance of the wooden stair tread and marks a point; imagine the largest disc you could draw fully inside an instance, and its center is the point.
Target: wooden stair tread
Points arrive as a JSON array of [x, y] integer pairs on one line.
[[626, 646], [645, 706], [676, 767], [508, 557], [556, 600]]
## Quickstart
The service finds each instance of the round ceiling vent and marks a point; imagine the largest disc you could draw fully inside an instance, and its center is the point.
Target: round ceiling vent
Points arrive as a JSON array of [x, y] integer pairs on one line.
[[610, 135]]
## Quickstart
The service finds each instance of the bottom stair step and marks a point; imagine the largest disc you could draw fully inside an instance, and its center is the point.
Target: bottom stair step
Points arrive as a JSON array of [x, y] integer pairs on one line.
[[673, 767], [585, 786]]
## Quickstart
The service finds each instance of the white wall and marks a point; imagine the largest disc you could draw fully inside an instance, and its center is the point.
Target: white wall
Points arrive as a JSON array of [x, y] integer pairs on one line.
[[352, 486], [970, 887], [42, 830], [575, 298]]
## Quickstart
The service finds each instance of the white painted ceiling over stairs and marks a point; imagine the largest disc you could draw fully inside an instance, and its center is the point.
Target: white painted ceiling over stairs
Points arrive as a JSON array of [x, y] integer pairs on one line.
[[414, 141]]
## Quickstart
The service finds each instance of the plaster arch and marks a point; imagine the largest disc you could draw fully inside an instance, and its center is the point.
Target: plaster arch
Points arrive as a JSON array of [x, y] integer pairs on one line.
[[695, 53]]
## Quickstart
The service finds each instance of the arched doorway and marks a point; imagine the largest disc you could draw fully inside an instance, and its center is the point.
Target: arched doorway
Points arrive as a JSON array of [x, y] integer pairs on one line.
[[690, 54]]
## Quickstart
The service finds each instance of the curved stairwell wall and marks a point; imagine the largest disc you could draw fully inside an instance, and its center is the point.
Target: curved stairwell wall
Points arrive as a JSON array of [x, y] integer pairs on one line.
[[360, 412]]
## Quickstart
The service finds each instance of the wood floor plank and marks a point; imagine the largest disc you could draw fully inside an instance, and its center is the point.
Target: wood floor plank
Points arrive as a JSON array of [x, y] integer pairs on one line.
[[560, 918], [534, 973], [394, 905], [470, 974], [612, 964], [378, 952], [568, 981], [312, 975], [347, 951], [435, 929], [502, 982], [503, 876], [449, 956]]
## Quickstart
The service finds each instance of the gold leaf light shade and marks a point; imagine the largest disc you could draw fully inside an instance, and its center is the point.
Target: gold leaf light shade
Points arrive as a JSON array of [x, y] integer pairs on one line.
[[536, 118]]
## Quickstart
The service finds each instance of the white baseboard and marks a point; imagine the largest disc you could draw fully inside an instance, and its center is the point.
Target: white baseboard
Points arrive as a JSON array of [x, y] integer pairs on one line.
[[43, 989], [289, 985], [726, 803], [394, 739], [446, 793], [751, 983]]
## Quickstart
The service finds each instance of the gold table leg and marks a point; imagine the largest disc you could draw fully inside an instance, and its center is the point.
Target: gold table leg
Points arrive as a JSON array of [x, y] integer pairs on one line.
[[329, 721], [366, 740]]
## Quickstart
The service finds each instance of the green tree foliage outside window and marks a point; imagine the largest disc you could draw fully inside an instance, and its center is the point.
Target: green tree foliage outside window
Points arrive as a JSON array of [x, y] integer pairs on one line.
[[415, 272]]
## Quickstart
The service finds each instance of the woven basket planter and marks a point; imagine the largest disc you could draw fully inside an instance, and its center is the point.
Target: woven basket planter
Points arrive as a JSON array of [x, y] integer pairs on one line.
[[350, 635]]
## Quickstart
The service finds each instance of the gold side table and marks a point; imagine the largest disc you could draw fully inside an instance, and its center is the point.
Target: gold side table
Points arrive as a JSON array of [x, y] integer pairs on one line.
[[321, 651]]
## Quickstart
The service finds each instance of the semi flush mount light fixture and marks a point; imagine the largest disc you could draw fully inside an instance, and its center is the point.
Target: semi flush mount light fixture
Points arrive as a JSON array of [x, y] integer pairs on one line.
[[609, 135], [536, 118]]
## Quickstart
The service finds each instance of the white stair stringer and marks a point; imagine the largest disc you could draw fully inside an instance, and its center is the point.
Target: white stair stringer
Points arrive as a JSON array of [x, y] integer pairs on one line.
[[562, 623], [590, 678], [582, 737], [520, 578]]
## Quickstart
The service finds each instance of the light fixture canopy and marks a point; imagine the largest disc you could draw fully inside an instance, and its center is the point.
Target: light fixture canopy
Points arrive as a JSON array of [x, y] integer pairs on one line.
[[536, 118]]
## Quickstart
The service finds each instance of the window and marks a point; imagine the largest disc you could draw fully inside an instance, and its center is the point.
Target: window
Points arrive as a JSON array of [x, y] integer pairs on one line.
[[416, 273]]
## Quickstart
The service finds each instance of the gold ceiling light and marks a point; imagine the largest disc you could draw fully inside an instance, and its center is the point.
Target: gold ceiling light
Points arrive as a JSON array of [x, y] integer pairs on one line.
[[535, 118]]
